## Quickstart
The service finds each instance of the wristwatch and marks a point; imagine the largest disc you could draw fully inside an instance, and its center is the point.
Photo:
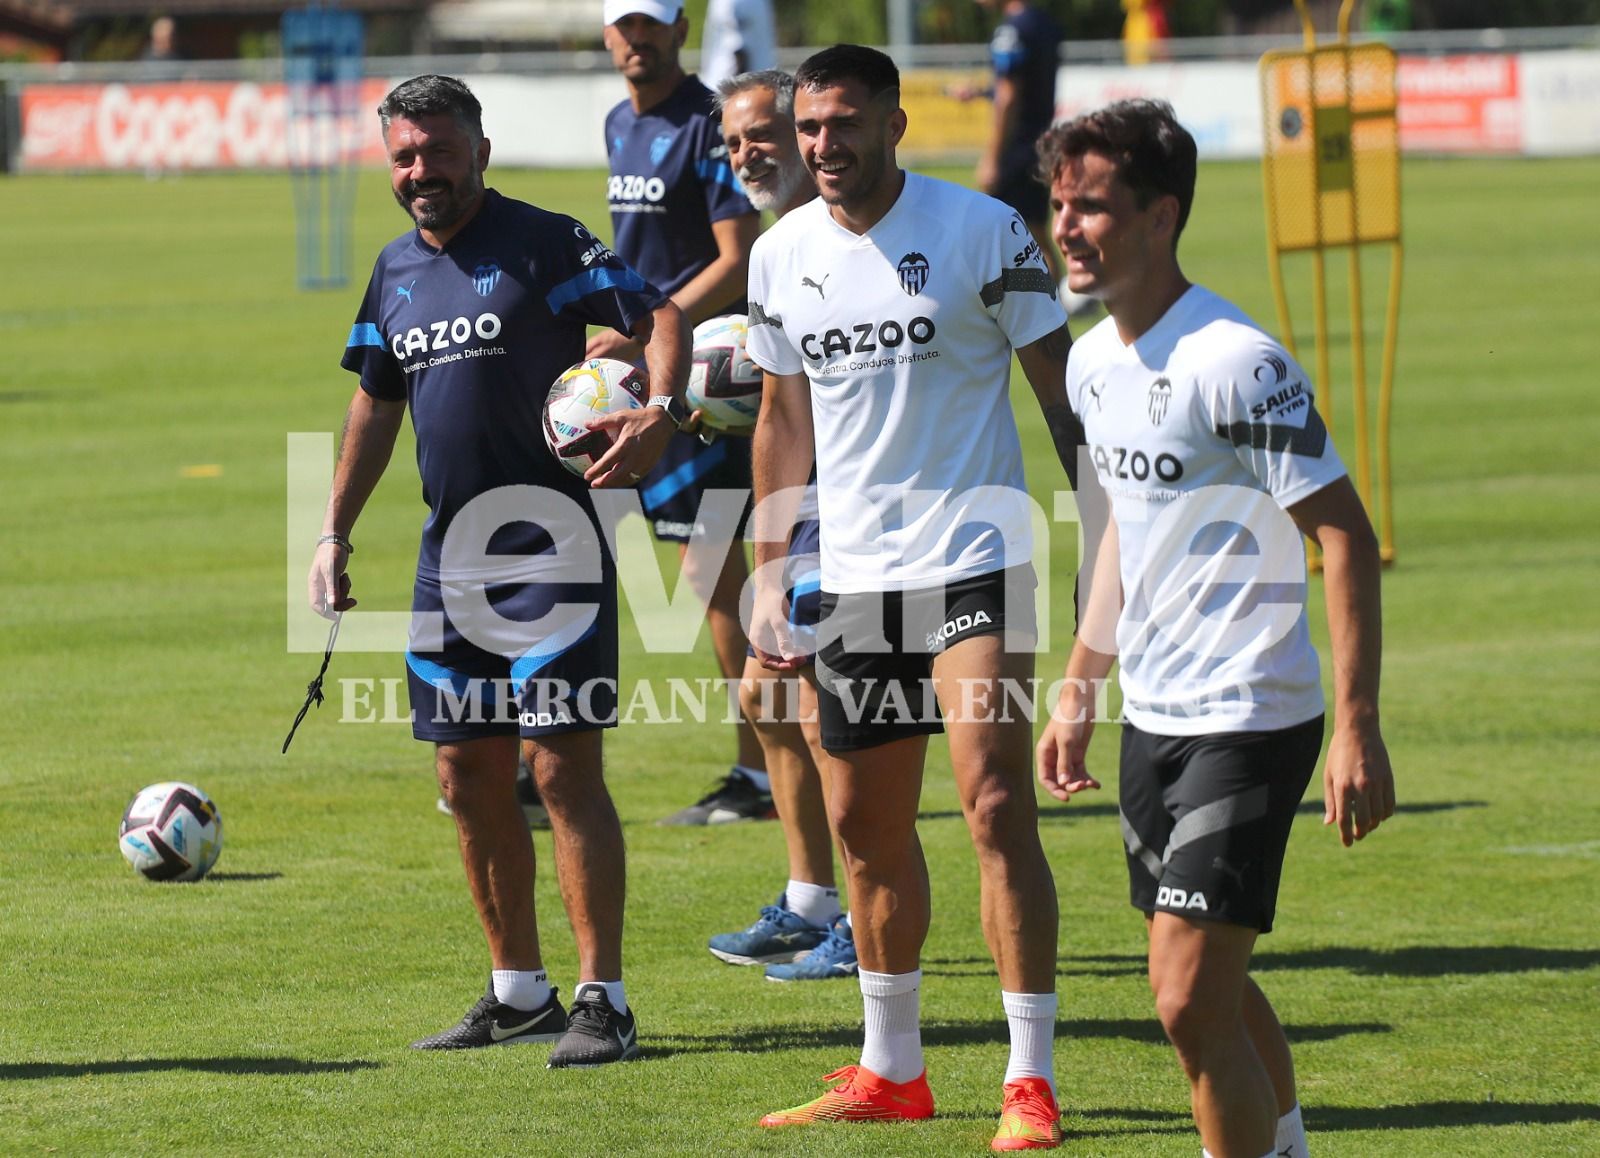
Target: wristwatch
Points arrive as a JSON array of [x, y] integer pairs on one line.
[[673, 405]]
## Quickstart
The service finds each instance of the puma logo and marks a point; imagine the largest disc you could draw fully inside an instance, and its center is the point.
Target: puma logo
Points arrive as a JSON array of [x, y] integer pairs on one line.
[[404, 291], [1222, 866], [1094, 392], [817, 285]]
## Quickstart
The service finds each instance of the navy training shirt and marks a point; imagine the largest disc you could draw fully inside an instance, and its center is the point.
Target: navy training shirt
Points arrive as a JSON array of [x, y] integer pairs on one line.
[[473, 336], [1026, 49], [670, 179]]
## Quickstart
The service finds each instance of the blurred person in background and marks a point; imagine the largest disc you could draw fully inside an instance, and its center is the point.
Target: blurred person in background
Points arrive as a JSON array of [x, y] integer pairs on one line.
[[804, 935], [740, 36], [1025, 51], [680, 218], [163, 42]]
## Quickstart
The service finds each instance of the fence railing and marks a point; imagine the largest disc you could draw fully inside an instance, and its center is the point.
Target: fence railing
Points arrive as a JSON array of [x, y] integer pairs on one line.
[[1204, 48]]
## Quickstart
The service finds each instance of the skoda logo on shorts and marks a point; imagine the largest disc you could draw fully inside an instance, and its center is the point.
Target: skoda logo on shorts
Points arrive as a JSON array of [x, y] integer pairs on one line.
[[913, 273], [485, 278]]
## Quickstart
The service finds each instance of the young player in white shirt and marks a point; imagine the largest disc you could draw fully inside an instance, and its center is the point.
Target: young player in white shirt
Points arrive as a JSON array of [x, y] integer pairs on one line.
[[885, 314], [1203, 432]]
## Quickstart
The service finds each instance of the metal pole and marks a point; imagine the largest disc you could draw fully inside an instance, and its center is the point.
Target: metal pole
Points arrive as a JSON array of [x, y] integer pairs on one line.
[[902, 30]]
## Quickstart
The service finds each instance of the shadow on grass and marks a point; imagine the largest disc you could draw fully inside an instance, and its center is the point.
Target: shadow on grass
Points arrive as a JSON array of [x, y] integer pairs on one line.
[[1340, 1119], [1412, 961], [1433, 1115], [243, 876], [1430, 960], [1107, 965], [1143, 1030], [22, 1071], [1140, 1122], [1314, 806], [1050, 813]]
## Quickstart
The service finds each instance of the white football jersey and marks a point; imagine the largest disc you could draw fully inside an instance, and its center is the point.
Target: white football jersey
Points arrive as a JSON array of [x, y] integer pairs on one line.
[[1202, 432], [905, 333]]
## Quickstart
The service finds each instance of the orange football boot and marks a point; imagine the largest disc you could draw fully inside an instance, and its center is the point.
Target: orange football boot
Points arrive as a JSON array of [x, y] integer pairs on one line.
[[861, 1096], [1030, 1118]]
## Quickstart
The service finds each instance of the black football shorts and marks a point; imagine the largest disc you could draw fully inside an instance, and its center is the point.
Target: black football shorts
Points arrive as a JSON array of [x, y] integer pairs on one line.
[[875, 660], [1205, 819]]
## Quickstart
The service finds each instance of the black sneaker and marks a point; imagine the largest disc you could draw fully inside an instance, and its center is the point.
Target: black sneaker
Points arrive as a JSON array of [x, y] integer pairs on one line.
[[490, 1022], [596, 1033], [735, 798], [533, 809]]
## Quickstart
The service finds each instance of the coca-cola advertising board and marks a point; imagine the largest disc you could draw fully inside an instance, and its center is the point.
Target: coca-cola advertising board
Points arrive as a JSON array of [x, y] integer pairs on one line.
[[189, 125]]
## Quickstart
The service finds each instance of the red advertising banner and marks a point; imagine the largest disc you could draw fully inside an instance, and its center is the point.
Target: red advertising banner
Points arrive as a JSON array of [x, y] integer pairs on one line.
[[183, 125], [1460, 104]]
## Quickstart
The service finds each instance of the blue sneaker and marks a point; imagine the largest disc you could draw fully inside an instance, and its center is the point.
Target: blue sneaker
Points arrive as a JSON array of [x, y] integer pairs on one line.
[[835, 957], [779, 935]]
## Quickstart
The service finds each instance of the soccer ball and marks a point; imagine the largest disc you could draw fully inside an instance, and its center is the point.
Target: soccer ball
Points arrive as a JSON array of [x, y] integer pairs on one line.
[[171, 832], [583, 393], [1077, 305], [724, 384]]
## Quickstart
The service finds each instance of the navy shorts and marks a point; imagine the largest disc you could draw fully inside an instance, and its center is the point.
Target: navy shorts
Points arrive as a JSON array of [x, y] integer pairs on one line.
[[540, 659], [802, 582], [875, 662], [1206, 819], [671, 493]]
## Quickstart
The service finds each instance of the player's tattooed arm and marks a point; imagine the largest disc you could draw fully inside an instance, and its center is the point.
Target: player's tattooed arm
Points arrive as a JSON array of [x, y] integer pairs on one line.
[[782, 453], [1044, 362], [1066, 433]]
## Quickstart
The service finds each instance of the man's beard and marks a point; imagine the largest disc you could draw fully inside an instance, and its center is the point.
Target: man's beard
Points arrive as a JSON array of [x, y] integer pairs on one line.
[[790, 180], [445, 206], [868, 174]]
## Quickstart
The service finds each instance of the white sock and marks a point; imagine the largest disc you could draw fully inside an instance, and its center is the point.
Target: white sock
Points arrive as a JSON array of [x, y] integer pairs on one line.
[[1032, 1018], [1292, 1134], [525, 989], [756, 776], [893, 1046], [614, 993], [818, 904], [1208, 1154]]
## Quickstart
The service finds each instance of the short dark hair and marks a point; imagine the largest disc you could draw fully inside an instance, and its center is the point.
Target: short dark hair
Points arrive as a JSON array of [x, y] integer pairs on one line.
[[1155, 156], [847, 62], [775, 80], [433, 95]]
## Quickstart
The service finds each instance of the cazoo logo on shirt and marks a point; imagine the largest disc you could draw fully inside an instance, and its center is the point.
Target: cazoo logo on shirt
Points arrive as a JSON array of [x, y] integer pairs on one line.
[[443, 335], [1118, 462], [866, 338], [631, 187]]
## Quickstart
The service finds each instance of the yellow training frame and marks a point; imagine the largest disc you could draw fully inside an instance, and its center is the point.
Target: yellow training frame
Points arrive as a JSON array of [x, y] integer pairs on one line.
[[1331, 165]]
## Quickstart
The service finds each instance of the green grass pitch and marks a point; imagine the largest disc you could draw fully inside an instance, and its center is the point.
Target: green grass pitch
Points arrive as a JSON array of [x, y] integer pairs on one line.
[[1439, 983]]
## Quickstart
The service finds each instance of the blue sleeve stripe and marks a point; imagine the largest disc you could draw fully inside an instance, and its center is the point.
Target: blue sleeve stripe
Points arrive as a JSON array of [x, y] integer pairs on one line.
[[364, 334], [592, 281], [717, 173]]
